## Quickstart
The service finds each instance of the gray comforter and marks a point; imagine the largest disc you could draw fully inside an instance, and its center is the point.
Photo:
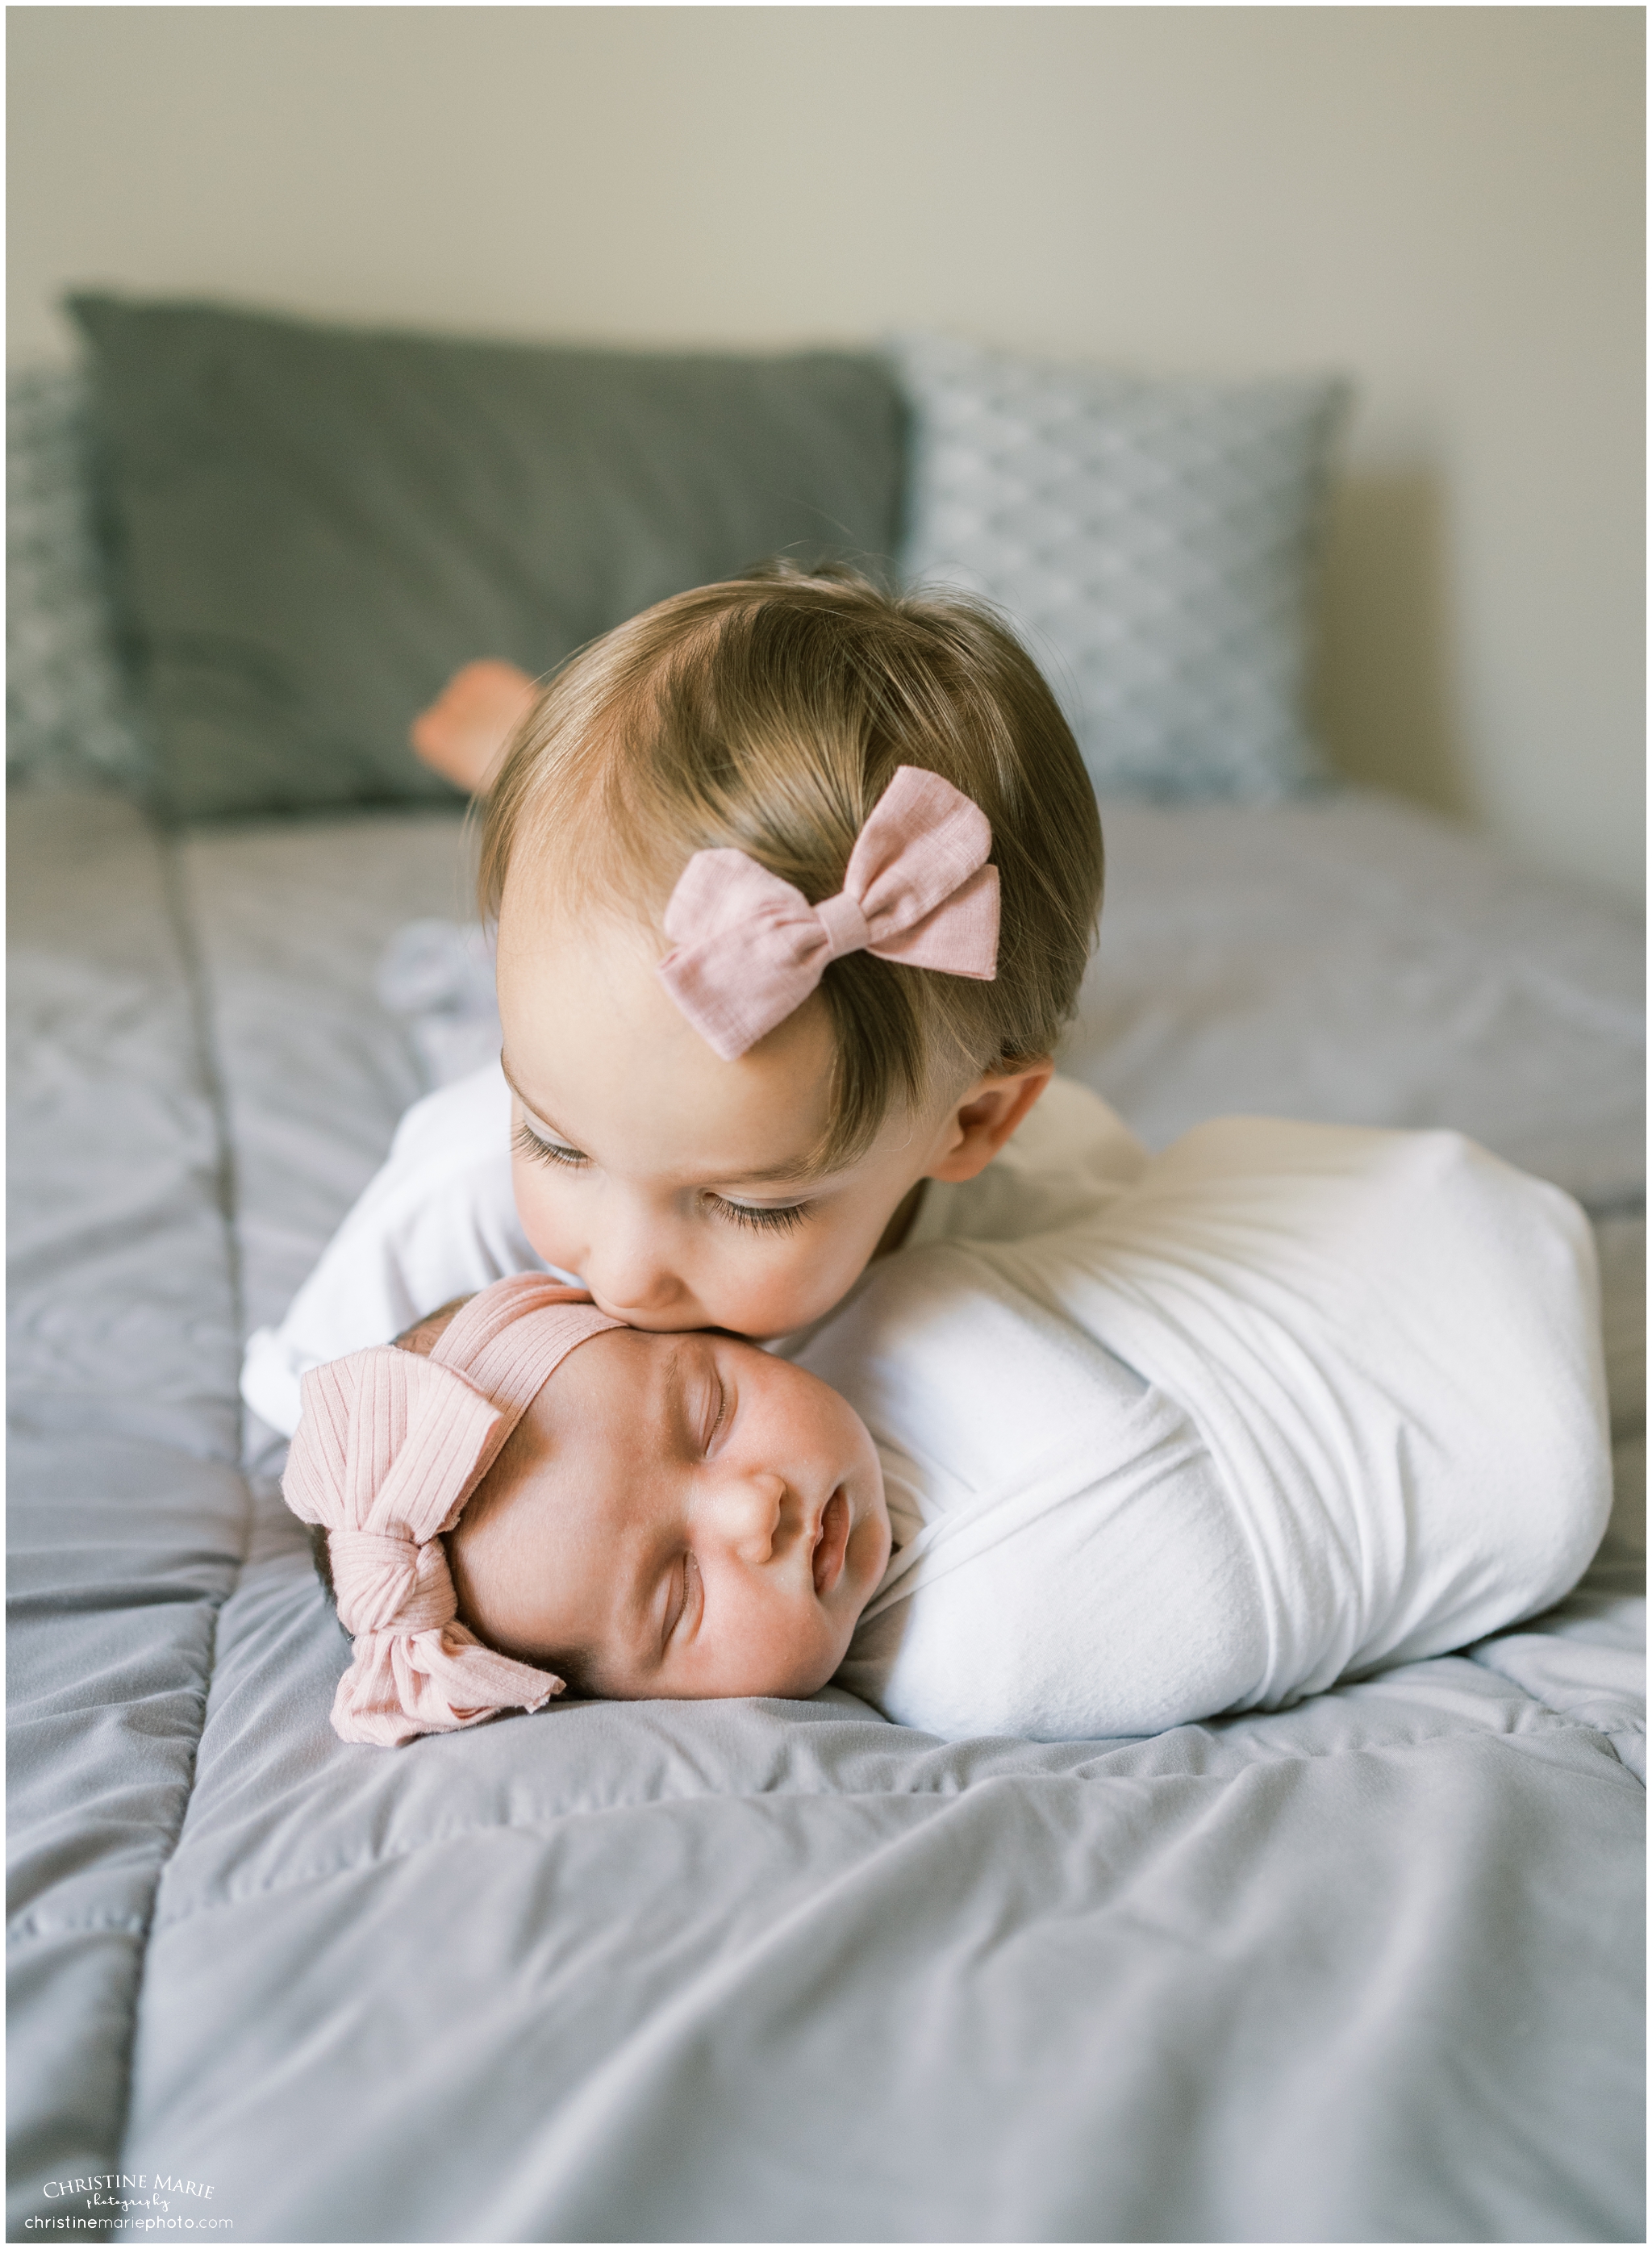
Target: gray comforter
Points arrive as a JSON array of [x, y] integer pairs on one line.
[[1368, 1968]]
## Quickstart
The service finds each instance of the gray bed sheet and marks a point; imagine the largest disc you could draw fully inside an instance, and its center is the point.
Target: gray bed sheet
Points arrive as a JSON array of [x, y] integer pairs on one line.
[[1368, 1970]]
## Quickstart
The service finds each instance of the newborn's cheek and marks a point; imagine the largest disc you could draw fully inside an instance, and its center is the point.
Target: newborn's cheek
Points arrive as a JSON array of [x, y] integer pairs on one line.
[[783, 1650], [834, 1628]]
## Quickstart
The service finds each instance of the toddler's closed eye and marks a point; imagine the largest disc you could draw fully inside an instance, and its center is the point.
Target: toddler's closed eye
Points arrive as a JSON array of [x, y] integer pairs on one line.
[[541, 1151], [780, 1218]]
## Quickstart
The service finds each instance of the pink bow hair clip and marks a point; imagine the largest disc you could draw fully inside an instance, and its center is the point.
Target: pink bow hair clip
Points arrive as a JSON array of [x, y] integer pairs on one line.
[[748, 949]]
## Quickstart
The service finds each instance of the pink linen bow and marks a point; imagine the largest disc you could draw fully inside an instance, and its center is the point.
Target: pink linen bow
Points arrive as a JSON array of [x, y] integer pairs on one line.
[[748, 948], [390, 1447]]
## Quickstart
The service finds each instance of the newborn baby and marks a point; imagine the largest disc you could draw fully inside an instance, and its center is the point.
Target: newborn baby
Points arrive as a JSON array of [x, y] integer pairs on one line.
[[1299, 1401], [675, 1514], [547, 1496]]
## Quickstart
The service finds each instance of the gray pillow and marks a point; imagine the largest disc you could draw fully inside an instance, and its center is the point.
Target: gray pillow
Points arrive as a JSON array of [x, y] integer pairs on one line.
[[69, 715], [1154, 542], [315, 526]]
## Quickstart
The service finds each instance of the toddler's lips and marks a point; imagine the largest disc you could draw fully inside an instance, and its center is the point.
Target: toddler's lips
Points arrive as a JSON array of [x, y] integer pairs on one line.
[[831, 1542]]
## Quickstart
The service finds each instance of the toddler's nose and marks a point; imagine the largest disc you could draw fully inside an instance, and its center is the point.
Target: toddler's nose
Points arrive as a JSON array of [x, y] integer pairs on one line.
[[624, 1270], [744, 1511]]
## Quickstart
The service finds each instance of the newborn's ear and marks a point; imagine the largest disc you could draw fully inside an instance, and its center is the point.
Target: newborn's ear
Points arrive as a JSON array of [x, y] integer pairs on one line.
[[423, 1337]]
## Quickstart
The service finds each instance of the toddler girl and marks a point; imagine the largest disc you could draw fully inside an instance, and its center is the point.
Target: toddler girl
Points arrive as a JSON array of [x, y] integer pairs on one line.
[[794, 885]]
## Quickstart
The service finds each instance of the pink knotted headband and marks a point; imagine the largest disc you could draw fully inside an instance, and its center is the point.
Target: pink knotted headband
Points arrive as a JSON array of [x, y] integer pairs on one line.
[[388, 1449], [748, 949]]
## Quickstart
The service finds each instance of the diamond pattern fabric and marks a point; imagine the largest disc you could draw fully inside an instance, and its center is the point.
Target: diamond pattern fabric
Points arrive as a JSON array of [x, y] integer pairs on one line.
[[67, 716], [1154, 541]]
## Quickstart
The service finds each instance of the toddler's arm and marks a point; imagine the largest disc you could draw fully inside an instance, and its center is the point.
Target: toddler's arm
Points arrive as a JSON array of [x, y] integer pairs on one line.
[[438, 1221], [467, 730]]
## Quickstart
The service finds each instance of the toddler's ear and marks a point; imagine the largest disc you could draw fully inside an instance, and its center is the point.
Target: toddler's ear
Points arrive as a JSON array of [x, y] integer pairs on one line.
[[984, 1119]]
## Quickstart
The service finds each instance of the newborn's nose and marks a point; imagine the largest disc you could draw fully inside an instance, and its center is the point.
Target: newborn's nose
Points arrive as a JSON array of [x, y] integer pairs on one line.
[[745, 1512]]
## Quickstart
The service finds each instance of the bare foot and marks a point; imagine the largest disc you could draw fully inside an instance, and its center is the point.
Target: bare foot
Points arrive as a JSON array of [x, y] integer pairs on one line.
[[467, 730]]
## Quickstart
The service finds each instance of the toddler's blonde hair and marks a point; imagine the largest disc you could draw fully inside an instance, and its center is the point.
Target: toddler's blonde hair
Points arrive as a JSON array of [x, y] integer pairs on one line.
[[770, 712]]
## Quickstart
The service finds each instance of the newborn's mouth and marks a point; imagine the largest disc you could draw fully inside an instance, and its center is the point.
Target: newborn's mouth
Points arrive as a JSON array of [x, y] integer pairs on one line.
[[831, 1541]]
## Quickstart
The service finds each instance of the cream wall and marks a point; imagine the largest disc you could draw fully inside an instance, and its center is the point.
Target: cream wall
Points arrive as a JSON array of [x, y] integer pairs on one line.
[[1446, 203]]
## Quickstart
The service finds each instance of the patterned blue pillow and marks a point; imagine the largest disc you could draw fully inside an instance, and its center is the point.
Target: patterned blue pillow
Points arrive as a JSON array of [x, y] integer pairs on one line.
[[1154, 541], [68, 716]]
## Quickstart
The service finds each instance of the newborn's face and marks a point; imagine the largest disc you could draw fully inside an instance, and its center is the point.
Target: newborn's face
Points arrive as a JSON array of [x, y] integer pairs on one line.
[[685, 1514]]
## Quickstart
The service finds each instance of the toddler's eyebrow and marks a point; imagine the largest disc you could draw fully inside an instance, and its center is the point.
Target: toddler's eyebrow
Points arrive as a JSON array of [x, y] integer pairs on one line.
[[796, 1171], [532, 1106]]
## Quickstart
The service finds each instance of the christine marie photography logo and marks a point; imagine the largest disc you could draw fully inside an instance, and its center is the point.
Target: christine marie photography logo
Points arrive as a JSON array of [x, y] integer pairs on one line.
[[128, 2206]]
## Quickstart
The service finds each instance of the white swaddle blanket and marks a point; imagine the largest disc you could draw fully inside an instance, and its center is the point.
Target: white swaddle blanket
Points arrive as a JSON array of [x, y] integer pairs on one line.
[[1301, 1401]]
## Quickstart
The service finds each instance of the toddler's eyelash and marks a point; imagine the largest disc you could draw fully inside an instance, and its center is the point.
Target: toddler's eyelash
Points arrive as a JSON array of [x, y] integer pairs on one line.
[[547, 1151], [785, 1218]]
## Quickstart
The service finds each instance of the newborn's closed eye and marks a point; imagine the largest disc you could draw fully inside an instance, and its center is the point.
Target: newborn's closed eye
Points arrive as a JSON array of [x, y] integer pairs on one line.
[[705, 1400], [682, 1601], [719, 1408]]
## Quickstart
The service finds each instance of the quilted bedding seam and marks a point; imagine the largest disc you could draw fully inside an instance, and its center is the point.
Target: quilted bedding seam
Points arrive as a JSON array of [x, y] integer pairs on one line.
[[198, 986], [34, 1926], [1618, 1739], [197, 989], [546, 1824]]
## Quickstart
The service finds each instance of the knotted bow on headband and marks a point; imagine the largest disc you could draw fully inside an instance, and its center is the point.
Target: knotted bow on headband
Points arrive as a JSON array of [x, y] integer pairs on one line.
[[389, 1449], [748, 948]]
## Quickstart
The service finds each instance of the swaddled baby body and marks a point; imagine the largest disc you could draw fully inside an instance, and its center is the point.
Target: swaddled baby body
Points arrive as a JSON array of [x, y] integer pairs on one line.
[[1305, 1401], [1301, 1401]]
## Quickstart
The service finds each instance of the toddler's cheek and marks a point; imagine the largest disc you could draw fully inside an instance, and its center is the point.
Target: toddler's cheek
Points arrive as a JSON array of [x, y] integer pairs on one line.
[[539, 1208], [782, 1294], [765, 1307]]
